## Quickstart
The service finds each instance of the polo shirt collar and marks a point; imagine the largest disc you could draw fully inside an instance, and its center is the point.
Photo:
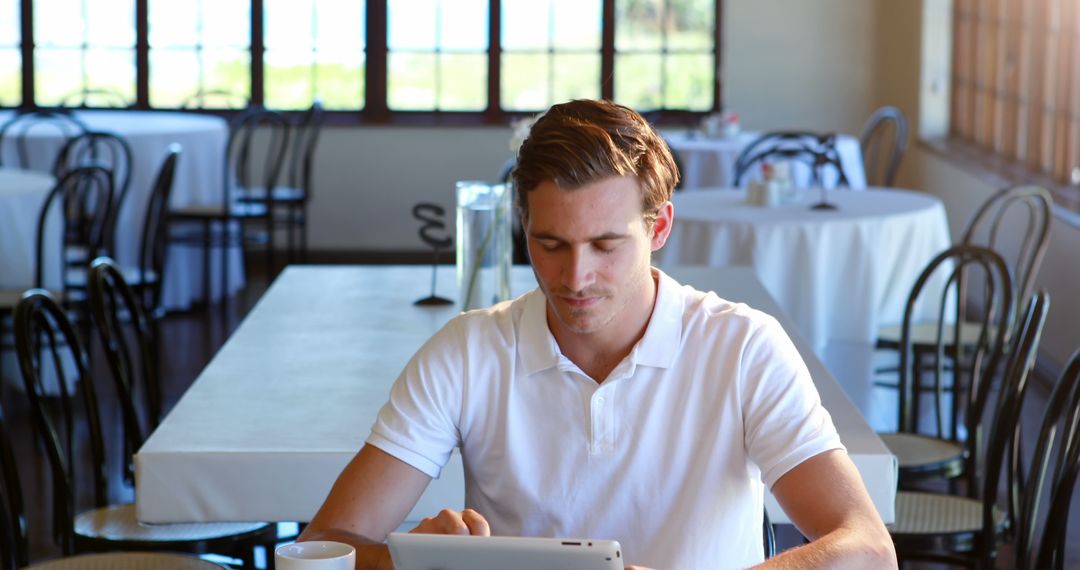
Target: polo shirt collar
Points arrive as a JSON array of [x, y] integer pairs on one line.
[[657, 347]]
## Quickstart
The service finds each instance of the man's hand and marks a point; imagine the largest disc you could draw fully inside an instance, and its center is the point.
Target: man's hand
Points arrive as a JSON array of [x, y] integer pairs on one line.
[[453, 522]]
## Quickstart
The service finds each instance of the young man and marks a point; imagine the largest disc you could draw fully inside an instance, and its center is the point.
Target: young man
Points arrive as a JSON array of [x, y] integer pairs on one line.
[[612, 402]]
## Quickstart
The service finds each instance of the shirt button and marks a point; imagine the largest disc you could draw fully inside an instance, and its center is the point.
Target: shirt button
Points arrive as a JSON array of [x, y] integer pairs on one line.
[[599, 402]]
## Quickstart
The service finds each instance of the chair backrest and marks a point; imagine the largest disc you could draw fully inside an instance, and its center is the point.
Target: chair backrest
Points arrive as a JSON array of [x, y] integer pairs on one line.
[[17, 130], [153, 249], [304, 142], [1026, 208], [1041, 534], [14, 544], [883, 142], [97, 148], [817, 151], [1001, 425], [95, 97], [56, 376], [85, 196], [255, 155], [968, 367], [215, 99], [128, 350]]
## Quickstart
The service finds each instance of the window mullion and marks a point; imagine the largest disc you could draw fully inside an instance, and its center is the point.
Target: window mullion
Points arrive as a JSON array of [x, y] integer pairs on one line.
[[607, 51], [375, 91], [258, 51], [27, 21], [494, 104], [142, 54]]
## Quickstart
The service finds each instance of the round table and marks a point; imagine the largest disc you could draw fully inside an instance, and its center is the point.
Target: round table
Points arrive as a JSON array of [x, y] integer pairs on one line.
[[22, 194], [838, 274], [198, 181], [710, 162]]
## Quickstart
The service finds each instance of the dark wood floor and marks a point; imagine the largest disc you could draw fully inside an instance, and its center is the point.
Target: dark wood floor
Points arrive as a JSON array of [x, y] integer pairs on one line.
[[190, 340]]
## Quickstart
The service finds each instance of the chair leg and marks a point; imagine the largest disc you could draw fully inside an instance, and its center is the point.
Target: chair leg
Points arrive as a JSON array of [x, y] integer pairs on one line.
[[207, 296]]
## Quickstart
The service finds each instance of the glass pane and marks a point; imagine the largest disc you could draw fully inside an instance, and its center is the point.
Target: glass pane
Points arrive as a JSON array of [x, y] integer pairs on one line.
[[577, 76], [288, 24], [690, 24], [227, 70], [689, 82], [288, 79], [110, 23], [173, 24], [464, 82], [525, 24], [525, 81], [577, 24], [173, 77], [464, 25], [410, 81], [67, 31], [10, 77], [340, 85], [638, 81], [638, 24], [412, 24], [226, 23], [9, 23], [341, 27], [57, 73], [111, 73]]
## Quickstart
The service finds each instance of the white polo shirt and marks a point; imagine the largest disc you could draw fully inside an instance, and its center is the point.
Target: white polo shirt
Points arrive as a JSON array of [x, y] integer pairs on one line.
[[668, 455]]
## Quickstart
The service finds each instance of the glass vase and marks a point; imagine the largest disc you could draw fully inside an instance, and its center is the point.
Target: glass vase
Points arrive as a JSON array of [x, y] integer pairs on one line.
[[483, 243]]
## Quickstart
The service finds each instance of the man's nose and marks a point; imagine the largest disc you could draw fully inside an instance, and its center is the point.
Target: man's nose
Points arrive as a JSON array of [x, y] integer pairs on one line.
[[579, 271]]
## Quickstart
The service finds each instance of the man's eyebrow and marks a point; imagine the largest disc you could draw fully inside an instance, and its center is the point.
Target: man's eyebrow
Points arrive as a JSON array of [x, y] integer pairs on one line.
[[602, 237]]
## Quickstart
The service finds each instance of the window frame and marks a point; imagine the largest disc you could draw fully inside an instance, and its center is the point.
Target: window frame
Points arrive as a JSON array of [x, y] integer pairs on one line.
[[376, 110]]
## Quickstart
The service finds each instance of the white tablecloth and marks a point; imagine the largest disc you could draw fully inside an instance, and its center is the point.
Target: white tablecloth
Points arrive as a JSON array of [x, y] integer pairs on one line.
[[199, 179], [710, 162], [22, 194], [838, 274], [266, 428]]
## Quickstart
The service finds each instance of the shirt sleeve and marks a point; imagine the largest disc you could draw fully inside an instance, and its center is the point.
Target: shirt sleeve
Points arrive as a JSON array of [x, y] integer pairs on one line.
[[785, 423], [419, 423]]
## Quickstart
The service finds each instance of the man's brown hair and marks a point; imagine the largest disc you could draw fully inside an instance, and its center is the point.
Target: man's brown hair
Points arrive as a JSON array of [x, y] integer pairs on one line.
[[584, 141]]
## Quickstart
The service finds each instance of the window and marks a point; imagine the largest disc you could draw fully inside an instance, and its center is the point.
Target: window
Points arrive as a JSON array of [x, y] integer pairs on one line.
[[200, 53], [314, 49], [550, 52], [437, 55], [87, 56], [1016, 89], [10, 56], [664, 54], [417, 61]]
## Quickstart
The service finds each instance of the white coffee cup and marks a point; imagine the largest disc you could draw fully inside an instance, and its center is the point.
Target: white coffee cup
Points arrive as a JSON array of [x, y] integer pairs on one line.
[[315, 555]]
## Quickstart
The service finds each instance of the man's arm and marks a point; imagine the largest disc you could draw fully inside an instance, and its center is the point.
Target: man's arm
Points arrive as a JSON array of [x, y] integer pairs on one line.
[[826, 499], [369, 500]]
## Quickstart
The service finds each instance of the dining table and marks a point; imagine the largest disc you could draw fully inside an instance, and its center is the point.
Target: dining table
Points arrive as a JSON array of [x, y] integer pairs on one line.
[[198, 180], [838, 274], [709, 161], [271, 421]]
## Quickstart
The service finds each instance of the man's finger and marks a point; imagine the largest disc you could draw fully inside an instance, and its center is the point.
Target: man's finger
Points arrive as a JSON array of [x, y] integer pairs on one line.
[[478, 525]]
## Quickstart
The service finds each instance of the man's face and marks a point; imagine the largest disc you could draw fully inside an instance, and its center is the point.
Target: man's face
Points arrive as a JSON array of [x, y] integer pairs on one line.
[[590, 250]]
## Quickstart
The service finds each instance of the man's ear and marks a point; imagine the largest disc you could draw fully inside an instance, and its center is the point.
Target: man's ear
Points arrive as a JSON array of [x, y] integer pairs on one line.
[[661, 228]]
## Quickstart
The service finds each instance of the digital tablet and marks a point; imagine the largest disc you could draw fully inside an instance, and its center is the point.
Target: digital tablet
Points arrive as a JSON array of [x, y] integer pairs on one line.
[[456, 552]]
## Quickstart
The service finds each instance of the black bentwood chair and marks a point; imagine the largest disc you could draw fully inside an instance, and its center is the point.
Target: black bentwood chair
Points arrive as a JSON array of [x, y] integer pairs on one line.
[[18, 129], [14, 541], [1044, 512], [961, 375], [107, 150], [68, 419], [883, 142], [966, 529], [817, 151]]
